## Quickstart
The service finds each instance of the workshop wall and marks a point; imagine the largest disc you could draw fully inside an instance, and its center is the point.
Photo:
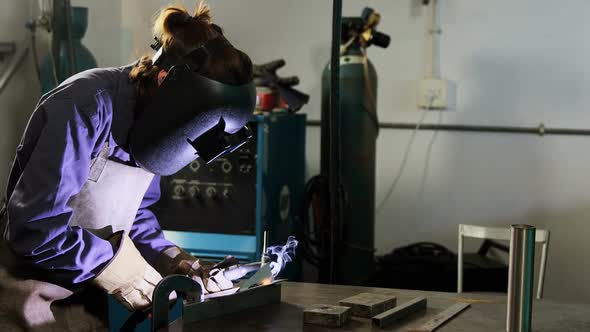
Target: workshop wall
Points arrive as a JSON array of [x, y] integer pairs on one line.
[[513, 63], [20, 95]]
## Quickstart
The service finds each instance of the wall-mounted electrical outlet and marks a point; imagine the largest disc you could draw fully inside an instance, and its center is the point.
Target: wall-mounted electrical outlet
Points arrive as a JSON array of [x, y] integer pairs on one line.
[[433, 93]]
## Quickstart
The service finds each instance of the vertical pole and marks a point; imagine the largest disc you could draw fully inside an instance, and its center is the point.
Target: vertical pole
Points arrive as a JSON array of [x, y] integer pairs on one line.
[[334, 127], [520, 278], [72, 68], [460, 261]]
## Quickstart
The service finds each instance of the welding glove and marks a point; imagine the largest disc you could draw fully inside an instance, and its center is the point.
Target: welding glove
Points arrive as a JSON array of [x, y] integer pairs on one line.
[[128, 277], [174, 260]]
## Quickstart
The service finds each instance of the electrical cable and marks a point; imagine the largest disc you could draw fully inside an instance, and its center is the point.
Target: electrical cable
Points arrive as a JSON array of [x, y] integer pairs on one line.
[[405, 158], [420, 196]]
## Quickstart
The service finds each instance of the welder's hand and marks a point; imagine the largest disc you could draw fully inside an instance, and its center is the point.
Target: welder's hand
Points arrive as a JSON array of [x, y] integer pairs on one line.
[[128, 277], [212, 279], [174, 260]]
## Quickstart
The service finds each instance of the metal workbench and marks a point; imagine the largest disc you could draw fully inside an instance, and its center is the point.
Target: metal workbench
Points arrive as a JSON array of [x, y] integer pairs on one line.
[[487, 312]]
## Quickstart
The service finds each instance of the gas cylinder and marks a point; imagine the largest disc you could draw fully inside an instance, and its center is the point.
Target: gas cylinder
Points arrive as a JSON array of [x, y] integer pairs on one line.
[[354, 257]]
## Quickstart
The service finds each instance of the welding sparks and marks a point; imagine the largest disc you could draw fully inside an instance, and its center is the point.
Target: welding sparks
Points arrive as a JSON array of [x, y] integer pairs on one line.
[[281, 255]]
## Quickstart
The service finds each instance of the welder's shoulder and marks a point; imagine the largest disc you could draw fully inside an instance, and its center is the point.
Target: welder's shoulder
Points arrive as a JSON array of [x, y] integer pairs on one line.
[[88, 94]]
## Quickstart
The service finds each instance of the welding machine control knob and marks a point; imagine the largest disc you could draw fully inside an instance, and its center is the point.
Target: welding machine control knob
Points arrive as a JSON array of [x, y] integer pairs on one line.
[[227, 193], [226, 167], [211, 192], [179, 190], [194, 166], [194, 191]]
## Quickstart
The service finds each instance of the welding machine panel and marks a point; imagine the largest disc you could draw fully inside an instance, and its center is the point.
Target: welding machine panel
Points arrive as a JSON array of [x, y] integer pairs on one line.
[[222, 208], [219, 197]]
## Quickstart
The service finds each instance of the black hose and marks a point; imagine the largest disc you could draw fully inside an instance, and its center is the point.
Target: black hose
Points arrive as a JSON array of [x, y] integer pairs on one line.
[[313, 186]]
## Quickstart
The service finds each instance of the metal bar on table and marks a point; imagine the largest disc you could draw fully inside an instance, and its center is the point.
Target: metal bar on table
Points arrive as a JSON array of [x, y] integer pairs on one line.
[[540, 130], [520, 278], [400, 312], [441, 318]]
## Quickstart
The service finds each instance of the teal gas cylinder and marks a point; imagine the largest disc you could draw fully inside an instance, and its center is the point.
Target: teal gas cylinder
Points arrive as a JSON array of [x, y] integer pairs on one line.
[[83, 58], [354, 257]]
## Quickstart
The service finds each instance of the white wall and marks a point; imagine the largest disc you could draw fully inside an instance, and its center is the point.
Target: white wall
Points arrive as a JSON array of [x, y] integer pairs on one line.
[[515, 63], [20, 96]]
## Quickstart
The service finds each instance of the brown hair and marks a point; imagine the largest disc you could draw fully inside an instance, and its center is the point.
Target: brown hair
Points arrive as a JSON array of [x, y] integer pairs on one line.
[[179, 31]]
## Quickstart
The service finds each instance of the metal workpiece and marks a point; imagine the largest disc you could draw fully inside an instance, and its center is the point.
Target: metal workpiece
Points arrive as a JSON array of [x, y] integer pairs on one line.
[[400, 312], [262, 277], [326, 315], [443, 317], [224, 305], [520, 278], [368, 305], [183, 285]]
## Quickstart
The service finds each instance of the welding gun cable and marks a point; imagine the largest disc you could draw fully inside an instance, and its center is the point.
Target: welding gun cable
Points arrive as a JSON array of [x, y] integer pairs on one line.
[[313, 186], [309, 238], [312, 228]]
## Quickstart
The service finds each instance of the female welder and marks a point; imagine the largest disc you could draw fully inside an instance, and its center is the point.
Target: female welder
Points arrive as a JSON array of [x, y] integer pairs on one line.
[[87, 170]]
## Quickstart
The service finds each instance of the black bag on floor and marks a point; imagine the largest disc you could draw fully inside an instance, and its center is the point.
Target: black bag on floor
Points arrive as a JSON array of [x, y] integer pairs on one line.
[[431, 266]]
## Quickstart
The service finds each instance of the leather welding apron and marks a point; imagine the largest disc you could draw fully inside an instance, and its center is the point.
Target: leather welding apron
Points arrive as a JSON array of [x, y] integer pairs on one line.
[[107, 203]]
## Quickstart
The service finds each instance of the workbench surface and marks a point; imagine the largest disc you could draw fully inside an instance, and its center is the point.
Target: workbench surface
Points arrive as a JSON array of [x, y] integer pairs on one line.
[[487, 312]]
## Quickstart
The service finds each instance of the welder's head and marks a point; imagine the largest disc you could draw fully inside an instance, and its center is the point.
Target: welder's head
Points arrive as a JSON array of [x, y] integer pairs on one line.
[[198, 90]]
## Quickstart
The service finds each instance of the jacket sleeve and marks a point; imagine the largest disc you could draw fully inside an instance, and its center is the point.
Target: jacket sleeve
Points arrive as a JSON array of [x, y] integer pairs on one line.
[[146, 233], [58, 164]]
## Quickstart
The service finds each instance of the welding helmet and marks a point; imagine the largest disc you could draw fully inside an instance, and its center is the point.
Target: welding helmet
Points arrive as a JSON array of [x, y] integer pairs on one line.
[[190, 115]]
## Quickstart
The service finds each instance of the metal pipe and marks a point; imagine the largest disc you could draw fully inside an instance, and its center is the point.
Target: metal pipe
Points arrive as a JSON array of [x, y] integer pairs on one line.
[[15, 62], [334, 126], [72, 68], [540, 130], [520, 278]]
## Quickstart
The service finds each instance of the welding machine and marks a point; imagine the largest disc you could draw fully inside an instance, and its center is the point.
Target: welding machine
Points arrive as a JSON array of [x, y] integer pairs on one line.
[[223, 208]]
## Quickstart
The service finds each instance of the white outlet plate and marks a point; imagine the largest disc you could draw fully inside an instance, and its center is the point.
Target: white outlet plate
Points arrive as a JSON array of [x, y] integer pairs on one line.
[[437, 88]]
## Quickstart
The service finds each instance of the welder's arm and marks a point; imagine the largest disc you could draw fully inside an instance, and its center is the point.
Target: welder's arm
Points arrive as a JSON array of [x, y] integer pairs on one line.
[[130, 276], [58, 166], [146, 233], [164, 255]]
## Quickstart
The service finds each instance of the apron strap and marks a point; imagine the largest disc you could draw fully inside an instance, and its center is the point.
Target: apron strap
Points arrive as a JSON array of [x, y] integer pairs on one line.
[[98, 164]]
